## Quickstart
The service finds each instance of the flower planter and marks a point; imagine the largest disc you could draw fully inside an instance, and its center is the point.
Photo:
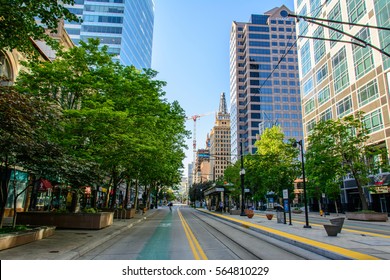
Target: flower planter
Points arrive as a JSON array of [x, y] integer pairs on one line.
[[67, 220], [11, 240], [269, 216], [250, 214], [124, 213], [367, 216], [332, 230], [235, 212], [296, 211], [337, 222]]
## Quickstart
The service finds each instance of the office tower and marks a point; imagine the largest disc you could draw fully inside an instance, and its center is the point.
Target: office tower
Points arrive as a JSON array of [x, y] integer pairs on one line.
[[341, 75], [264, 82], [220, 156], [125, 26]]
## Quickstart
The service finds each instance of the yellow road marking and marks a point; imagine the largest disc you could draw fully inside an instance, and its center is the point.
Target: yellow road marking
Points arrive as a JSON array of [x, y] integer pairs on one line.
[[325, 246], [344, 229], [196, 249]]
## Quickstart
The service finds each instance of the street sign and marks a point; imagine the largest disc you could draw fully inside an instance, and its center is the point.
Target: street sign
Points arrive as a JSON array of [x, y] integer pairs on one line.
[[285, 194], [246, 190], [285, 205]]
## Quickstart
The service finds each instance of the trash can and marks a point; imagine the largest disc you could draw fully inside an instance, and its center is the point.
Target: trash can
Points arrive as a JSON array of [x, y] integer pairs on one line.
[[280, 217]]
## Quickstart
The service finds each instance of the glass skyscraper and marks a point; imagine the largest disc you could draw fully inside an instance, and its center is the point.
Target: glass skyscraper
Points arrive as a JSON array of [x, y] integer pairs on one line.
[[264, 79], [125, 26]]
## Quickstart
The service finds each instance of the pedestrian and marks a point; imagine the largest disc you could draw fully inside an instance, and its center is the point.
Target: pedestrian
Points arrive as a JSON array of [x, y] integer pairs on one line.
[[221, 206], [170, 204]]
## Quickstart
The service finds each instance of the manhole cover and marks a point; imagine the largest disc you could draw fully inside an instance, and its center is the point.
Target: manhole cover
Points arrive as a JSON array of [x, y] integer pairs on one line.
[[54, 252]]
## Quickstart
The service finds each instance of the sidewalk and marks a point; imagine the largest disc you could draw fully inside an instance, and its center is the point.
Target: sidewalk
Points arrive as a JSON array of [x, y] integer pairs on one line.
[[67, 244], [349, 244]]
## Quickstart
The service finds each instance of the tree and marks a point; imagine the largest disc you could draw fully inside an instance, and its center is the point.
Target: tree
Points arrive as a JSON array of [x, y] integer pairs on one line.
[[23, 21], [231, 175], [24, 124], [337, 148], [277, 163], [113, 118]]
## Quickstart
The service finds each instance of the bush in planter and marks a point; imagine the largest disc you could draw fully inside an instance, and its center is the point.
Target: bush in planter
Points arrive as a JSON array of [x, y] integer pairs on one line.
[[297, 210], [90, 210]]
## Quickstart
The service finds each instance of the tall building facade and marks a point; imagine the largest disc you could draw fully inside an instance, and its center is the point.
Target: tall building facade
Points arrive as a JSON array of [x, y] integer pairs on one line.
[[339, 76], [264, 78], [220, 139], [125, 26]]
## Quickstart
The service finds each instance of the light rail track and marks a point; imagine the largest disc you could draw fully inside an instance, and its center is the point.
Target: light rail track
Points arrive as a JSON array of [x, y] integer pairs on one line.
[[245, 243]]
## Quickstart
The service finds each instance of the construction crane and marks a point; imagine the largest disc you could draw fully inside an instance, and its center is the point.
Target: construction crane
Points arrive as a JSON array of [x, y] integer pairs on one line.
[[195, 118]]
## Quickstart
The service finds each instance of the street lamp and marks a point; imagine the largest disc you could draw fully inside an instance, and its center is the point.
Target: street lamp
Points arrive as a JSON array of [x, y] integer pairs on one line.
[[242, 175], [304, 182]]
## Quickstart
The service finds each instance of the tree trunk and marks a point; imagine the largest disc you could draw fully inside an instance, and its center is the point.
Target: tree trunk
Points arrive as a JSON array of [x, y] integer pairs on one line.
[[360, 190], [114, 188], [335, 205], [319, 205], [15, 201], [136, 195], [5, 174]]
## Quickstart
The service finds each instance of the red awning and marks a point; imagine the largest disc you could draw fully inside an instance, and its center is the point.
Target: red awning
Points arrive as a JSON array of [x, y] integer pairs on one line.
[[44, 185]]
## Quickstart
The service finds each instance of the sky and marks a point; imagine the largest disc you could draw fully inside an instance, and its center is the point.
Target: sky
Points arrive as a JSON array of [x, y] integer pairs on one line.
[[191, 53]]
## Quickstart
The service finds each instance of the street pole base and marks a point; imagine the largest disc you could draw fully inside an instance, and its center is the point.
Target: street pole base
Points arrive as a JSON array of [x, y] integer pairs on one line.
[[305, 226], [242, 214]]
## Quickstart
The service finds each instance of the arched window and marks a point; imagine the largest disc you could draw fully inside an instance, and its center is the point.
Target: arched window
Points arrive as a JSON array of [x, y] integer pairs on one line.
[[6, 76]]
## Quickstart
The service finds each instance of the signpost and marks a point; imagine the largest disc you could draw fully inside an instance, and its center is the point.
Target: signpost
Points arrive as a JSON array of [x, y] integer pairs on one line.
[[286, 205]]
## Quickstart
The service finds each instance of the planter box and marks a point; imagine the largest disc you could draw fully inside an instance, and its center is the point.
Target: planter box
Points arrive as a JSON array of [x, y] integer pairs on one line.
[[10, 240], [235, 212], [67, 220], [124, 213], [361, 216], [296, 211], [332, 230]]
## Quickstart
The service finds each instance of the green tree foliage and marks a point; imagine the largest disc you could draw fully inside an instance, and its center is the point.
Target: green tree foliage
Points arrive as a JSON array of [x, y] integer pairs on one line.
[[25, 123], [231, 175], [114, 119], [337, 148], [275, 165], [23, 21]]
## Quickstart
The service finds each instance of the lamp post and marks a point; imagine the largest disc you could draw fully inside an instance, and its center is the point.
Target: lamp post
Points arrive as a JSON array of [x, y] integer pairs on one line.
[[242, 175], [304, 182]]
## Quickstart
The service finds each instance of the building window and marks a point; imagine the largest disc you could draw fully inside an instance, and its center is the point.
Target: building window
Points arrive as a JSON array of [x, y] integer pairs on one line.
[[335, 14], [373, 121], [382, 11], [319, 45], [305, 57], [362, 57], [323, 95], [340, 71], [368, 93], [303, 25], [326, 115], [322, 73], [308, 86], [310, 126], [309, 106], [344, 107], [356, 10], [315, 7]]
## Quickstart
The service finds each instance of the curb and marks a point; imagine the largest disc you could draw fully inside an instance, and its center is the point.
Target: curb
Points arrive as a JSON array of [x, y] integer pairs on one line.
[[85, 248], [312, 248]]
